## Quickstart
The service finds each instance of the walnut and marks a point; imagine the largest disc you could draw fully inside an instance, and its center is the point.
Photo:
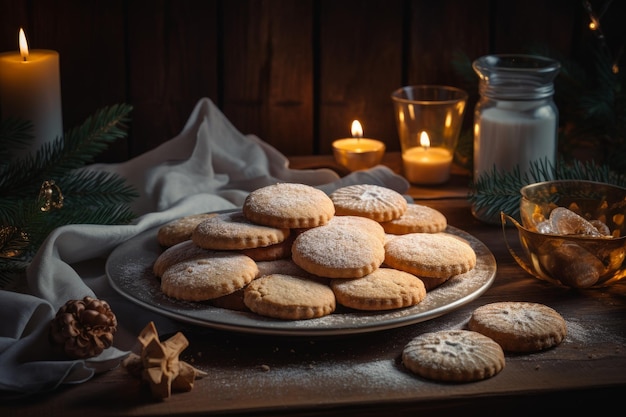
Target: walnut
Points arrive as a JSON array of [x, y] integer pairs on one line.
[[84, 327]]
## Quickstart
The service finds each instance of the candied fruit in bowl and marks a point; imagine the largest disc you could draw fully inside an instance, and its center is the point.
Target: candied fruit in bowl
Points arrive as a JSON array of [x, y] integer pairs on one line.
[[572, 232]]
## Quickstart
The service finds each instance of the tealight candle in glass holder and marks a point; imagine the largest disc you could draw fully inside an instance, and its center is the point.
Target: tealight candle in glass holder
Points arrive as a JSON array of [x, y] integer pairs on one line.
[[429, 120], [357, 153]]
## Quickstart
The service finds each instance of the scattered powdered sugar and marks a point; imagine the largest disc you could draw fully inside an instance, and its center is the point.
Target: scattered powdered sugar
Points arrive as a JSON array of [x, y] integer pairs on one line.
[[373, 376], [584, 332]]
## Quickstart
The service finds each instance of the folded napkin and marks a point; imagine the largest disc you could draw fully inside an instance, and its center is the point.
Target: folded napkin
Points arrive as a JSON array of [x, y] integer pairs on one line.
[[209, 166]]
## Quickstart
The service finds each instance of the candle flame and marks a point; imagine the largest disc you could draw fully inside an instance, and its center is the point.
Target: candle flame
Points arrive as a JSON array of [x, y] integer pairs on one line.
[[23, 44], [357, 130], [424, 140]]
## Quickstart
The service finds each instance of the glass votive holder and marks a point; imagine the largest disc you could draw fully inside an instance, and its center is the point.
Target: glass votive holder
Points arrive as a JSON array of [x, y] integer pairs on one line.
[[429, 120]]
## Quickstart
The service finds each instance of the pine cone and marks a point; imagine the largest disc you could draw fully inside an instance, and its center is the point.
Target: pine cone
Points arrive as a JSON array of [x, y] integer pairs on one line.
[[84, 327]]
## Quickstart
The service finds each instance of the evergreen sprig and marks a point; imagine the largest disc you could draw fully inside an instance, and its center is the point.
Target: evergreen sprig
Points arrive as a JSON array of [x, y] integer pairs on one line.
[[89, 197], [14, 134], [499, 191], [55, 159]]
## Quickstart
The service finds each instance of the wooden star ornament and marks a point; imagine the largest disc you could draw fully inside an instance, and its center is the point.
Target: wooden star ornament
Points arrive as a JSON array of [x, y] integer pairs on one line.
[[158, 363]]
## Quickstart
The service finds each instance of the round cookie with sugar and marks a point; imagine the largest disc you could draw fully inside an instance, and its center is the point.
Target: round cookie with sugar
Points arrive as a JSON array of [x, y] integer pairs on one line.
[[180, 252], [365, 224], [453, 356], [338, 251], [367, 200], [289, 297], [212, 276], [233, 230], [180, 229], [417, 219], [520, 327], [383, 289], [288, 205], [430, 255]]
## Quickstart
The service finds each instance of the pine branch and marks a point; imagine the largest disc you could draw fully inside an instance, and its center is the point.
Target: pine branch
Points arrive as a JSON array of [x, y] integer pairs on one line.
[[497, 191], [77, 196], [106, 214], [82, 144], [15, 134], [87, 188], [590, 171], [41, 224], [78, 147]]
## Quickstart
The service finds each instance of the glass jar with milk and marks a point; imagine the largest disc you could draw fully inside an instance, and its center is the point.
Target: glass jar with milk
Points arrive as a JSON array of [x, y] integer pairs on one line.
[[515, 120]]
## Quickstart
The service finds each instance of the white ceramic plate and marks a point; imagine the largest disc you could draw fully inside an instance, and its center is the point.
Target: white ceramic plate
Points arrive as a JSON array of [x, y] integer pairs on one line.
[[129, 270]]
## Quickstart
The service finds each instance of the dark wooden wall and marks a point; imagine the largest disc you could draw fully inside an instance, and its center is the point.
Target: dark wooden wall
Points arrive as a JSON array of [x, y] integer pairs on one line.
[[293, 72]]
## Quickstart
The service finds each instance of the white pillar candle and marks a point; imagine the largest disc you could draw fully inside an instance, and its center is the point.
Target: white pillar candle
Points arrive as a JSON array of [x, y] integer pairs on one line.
[[30, 89]]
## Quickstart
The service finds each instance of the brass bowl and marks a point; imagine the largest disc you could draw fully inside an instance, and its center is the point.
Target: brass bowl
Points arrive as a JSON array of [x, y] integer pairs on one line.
[[572, 260]]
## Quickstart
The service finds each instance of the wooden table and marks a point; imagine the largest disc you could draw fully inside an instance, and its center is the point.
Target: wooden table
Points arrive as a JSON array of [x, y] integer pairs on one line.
[[362, 375]]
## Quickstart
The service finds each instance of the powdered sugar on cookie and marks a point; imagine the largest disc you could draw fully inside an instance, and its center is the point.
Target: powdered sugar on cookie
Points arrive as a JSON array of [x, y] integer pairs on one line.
[[453, 355], [519, 326], [367, 200], [288, 205], [336, 251], [434, 255]]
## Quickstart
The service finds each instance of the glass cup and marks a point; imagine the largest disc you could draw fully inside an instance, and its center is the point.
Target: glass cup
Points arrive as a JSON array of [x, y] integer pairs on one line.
[[429, 119]]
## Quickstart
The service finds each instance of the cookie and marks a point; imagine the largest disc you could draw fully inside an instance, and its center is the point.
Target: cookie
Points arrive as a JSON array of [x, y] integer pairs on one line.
[[519, 327], [180, 229], [229, 231], [417, 219], [214, 275], [453, 356], [383, 289], [363, 223], [288, 205], [336, 251], [367, 200], [431, 255], [180, 252], [289, 297]]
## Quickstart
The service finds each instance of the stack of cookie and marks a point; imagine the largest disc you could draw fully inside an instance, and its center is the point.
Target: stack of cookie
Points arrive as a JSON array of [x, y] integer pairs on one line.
[[293, 252]]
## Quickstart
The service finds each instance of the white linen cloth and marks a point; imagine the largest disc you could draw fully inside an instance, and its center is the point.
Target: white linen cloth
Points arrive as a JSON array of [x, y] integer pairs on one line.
[[209, 166]]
